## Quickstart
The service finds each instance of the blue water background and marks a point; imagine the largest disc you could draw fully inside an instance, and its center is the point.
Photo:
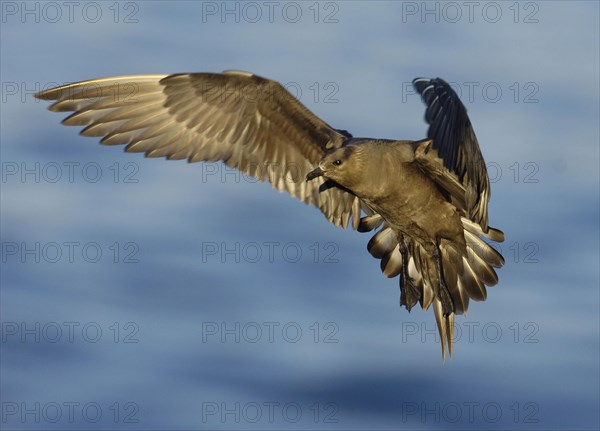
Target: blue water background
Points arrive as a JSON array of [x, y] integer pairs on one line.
[[179, 338]]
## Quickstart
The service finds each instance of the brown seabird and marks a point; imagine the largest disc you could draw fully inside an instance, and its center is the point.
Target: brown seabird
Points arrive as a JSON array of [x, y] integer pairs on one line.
[[429, 198]]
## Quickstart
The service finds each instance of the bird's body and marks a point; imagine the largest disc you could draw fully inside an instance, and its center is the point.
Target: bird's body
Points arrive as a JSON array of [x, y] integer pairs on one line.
[[429, 197], [395, 187], [422, 207]]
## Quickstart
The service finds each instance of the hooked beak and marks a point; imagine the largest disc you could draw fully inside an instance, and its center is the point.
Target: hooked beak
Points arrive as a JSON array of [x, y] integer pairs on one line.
[[314, 174]]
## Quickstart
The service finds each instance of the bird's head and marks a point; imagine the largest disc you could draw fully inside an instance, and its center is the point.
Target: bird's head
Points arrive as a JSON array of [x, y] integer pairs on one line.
[[341, 165]]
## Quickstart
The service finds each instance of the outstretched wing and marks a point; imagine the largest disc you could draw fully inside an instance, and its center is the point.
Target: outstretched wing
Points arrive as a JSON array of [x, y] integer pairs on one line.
[[452, 158], [249, 122], [456, 143]]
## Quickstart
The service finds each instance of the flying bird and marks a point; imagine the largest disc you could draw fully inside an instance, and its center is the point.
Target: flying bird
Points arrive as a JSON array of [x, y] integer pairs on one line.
[[426, 200]]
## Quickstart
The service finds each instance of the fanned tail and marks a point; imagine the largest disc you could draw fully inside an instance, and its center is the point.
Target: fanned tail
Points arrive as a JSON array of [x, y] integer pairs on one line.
[[466, 270]]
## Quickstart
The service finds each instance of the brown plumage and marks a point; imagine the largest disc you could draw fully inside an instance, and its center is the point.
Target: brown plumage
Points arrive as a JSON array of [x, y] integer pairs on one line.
[[429, 197]]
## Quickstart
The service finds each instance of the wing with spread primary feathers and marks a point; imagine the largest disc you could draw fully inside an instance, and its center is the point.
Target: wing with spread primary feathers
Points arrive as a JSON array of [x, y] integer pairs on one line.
[[454, 139], [249, 122]]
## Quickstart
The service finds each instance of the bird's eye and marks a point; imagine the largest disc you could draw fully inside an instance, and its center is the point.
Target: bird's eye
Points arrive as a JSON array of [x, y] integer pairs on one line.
[[337, 162]]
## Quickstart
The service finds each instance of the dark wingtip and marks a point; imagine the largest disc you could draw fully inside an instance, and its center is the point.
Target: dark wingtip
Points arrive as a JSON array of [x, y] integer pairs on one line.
[[421, 83]]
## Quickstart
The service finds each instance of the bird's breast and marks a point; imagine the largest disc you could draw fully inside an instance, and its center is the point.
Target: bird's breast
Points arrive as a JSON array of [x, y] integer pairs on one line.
[[410, 203]]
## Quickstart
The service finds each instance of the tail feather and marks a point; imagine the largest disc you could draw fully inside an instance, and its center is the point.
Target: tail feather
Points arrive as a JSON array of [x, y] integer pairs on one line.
[[427, 294], [485, 251], [466, 267], [368, 223], [445, 324], [425, 288], [391, 263], [493, 234], [383, 242], [453, 270], [482, 269], [475, 289]]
